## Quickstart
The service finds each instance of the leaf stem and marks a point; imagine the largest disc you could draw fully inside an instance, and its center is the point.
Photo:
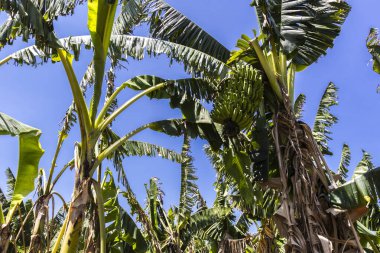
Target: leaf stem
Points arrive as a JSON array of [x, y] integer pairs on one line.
[[110, 118], [117, 144], [100, 205], [60, 174], [84, 118], [267, 69], [108, 103], [53, 163]]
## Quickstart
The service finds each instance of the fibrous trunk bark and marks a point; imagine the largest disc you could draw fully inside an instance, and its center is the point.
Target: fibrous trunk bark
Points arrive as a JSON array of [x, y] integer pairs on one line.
[[5, 236], [41, 215], [76, 214], [303, 216]]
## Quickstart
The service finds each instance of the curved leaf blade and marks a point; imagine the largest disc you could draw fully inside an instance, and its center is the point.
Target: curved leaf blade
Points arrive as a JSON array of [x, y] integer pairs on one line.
[[30, 152]]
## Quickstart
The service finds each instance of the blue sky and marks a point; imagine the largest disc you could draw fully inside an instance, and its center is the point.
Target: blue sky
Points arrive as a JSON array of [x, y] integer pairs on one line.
[[40, 96]]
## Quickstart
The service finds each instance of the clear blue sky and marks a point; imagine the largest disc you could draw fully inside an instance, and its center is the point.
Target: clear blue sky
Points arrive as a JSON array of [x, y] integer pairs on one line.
[[40, 96]]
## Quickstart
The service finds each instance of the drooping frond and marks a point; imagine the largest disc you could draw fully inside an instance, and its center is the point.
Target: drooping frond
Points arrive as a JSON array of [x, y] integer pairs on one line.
[[11, 181], [202, 224], [33, 55], [195, 88], [197, 124], [298, 106], [305, 29], [373, 45], [324, 119], [194, 61], [135, 148], [33, 18], [344, 162], [364, 165], [169, 24], [69, 120], [189, 189], [132, 13], [122, 231]]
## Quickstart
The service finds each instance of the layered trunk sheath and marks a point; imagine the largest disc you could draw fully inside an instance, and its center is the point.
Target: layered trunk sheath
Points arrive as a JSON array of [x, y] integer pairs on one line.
[[37, 239], [303, 216], [79, 204], [5, 236]]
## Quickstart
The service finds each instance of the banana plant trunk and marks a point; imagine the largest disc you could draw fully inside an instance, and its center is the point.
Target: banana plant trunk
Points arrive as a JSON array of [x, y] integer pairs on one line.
[[80, 201], [304, 217], [5, 235], [41, 214]]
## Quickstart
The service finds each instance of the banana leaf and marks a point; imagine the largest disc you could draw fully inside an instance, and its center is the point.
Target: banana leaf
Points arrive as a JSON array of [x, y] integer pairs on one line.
[[30, 153], [359, 192]]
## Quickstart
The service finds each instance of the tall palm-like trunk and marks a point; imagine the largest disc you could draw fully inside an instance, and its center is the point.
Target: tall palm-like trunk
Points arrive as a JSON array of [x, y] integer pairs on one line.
[[304, 217]]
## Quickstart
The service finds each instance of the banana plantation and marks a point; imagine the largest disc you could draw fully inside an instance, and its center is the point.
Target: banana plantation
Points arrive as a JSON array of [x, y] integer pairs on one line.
[[273, 185]]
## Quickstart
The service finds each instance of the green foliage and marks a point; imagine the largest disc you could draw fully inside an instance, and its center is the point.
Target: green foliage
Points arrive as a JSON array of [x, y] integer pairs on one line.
[[188, 189], [344, 162], [30, 152], [304, 29], [373, 46], [359, 192], [249, 94], [195, 88], [324, 119], [33, 18], [122, 232], [100, 21], [168, 24], [298, 106]]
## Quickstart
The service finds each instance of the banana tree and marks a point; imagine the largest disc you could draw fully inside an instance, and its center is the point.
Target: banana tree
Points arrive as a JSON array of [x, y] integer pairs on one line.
[[260, 84], [287, 44], [98, 142]]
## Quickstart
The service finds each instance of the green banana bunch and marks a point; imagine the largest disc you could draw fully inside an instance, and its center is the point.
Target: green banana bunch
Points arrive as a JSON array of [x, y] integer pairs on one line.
[[238, 99]]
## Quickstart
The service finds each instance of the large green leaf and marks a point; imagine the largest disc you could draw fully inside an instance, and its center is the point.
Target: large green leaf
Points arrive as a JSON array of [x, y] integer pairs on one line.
[[358, 192], [169, 24], [137, 47], [33, 18], [30, 152], [367, 234], [237, 166], [121, 228], [364, 165], [132, 13], [184, 94], [305, 29], [100, 20], [201, 221], [196, 88]]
